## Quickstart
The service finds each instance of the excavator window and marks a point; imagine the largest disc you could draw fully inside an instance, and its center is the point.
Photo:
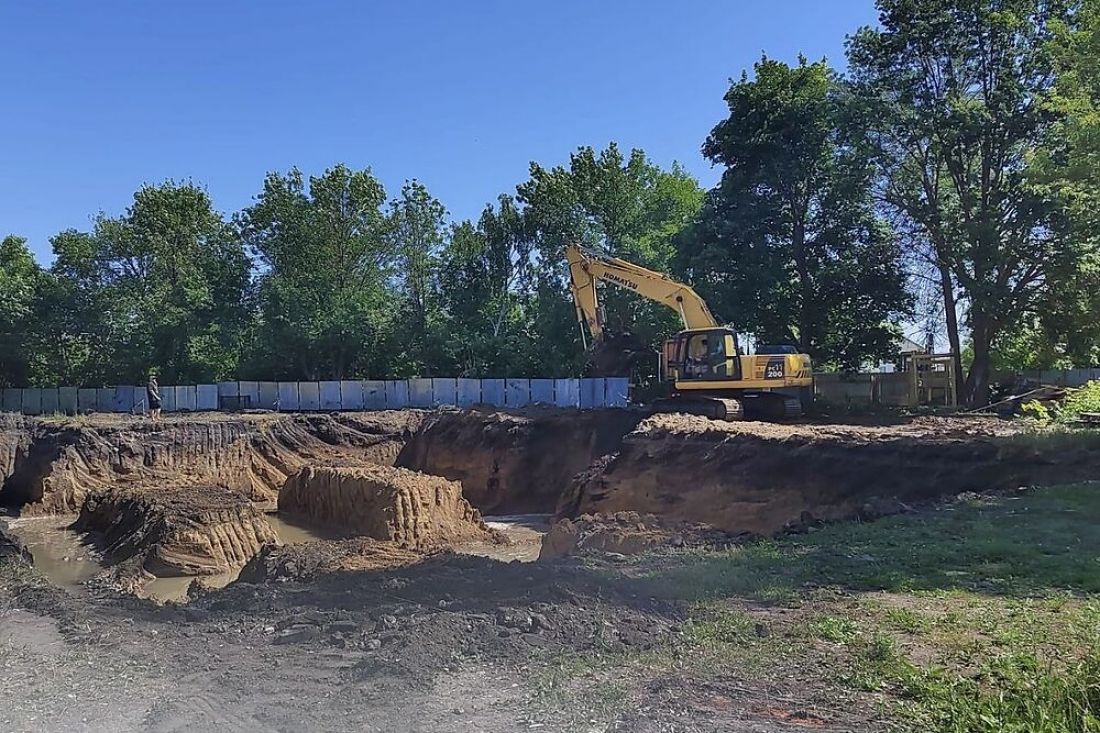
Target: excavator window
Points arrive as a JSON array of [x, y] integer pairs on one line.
[[710, 355]]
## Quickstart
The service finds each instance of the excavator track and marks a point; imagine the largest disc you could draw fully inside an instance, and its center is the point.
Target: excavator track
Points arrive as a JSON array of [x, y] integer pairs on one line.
[[715, 408]]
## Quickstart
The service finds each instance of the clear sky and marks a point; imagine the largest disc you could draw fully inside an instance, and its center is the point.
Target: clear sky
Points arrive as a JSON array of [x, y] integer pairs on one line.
[[98, 97]]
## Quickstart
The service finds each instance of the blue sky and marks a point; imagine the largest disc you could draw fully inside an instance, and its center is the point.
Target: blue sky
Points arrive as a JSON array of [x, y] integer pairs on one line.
[[99, 97]]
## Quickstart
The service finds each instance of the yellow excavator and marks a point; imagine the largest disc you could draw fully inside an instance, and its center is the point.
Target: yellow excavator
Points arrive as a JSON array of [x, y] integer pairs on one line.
[[703, 366]]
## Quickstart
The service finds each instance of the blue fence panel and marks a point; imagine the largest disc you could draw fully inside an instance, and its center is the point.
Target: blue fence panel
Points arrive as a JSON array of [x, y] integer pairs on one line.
[[591, 393], [397, 394], [105, 399], [288, 396], [517, 392], [12, 399], [268, 395], [330, 395], [567, 392], [617, 392], [492, 392], [374, 394], [187, 398], [351, 395], [85, 399], [123, 399], [228, 389], [467, 392], [420, 392], [167, 399], [444, 391], [542, 391], [66, 399], [309, 396], [251, 390], [206, 397], [50, 401], [31, 402]]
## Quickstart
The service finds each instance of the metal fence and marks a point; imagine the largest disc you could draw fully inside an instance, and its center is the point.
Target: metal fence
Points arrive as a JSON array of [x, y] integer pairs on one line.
[[325, 396]]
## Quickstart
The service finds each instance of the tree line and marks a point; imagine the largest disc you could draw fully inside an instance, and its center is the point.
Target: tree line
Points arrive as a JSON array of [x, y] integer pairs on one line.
[[949, 177]]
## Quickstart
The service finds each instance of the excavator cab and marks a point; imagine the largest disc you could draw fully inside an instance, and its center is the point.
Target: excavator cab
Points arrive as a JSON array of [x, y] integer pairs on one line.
[[706, 354]]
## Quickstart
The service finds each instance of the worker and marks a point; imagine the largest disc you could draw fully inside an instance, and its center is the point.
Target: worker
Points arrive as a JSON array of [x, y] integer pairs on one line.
[[152, 394], [697, 360]]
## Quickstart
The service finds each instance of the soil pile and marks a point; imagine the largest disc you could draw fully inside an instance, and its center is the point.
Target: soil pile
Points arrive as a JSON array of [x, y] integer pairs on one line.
[[628, 533], [308, 560], [411, 509], [56, 464], [764, 478], [513, 463], [182, 531]]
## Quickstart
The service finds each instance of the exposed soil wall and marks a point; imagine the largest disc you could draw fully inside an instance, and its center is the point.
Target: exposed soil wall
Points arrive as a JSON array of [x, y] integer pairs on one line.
[[14, 441], [511, 463], [186, 531], [53, 466], [410, 509], [760, 478]]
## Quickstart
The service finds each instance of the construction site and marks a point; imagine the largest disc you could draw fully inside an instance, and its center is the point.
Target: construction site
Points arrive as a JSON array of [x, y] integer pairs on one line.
[[449, 569]]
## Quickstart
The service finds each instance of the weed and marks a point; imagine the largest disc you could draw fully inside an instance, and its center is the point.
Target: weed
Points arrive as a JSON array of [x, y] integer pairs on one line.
[[835, 629]]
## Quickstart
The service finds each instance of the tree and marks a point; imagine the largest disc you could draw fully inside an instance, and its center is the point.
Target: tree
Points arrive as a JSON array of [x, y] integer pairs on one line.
[[958, 85], [20, 281], [789, 243], [324, 258], [623, 205], [161, 287], [416, 232], [484, 279], [1067, 169]]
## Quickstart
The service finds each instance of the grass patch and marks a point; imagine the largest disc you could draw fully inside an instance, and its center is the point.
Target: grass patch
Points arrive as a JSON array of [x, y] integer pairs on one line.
[[836, 629], [1032, 543]]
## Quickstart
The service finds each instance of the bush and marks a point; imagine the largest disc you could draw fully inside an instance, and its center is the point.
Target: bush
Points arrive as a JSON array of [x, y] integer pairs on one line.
[[1085, 399]]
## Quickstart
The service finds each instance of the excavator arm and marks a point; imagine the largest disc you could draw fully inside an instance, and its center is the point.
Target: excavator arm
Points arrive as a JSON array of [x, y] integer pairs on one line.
[[588, 267]]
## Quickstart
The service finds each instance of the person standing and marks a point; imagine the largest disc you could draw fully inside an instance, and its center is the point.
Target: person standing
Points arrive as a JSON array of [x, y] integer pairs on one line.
[[152, 394]]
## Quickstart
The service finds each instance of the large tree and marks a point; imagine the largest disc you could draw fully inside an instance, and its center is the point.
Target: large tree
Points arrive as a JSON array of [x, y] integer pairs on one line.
[[416, 232], [788, 245], [484, 282], [957, 86], [20, 282], [161, 287], [324, 258], [624, 205]]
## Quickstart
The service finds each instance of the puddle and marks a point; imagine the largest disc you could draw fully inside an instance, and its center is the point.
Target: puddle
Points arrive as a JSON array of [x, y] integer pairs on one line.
[[59, 553], [62, 556], [524, 532]]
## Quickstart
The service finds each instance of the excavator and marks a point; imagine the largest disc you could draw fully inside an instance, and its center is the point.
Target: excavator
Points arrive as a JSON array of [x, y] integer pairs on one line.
[[703, 367]]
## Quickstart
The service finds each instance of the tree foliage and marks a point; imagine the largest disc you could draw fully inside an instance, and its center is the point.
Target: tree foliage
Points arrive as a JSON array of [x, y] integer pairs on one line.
[[789, 245], [958, 86], [960, 150]]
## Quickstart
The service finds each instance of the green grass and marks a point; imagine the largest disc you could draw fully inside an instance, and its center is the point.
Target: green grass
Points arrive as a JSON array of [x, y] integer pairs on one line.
[[1031, 543], [980, 616]]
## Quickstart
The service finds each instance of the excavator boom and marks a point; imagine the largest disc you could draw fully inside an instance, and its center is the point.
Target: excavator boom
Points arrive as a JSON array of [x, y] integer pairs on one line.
[[703, 367], [587, 267]]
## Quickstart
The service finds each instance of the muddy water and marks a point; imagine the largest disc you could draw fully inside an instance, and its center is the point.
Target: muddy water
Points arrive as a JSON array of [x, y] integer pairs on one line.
[[67, 559], [524, 533], [59, 553]]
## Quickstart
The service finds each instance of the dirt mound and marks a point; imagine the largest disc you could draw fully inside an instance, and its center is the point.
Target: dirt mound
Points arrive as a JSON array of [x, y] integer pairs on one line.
[[411, 509], [761, 478], [175, 532], [308, 560], [512, 463], [628, 533], [54, 465]]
